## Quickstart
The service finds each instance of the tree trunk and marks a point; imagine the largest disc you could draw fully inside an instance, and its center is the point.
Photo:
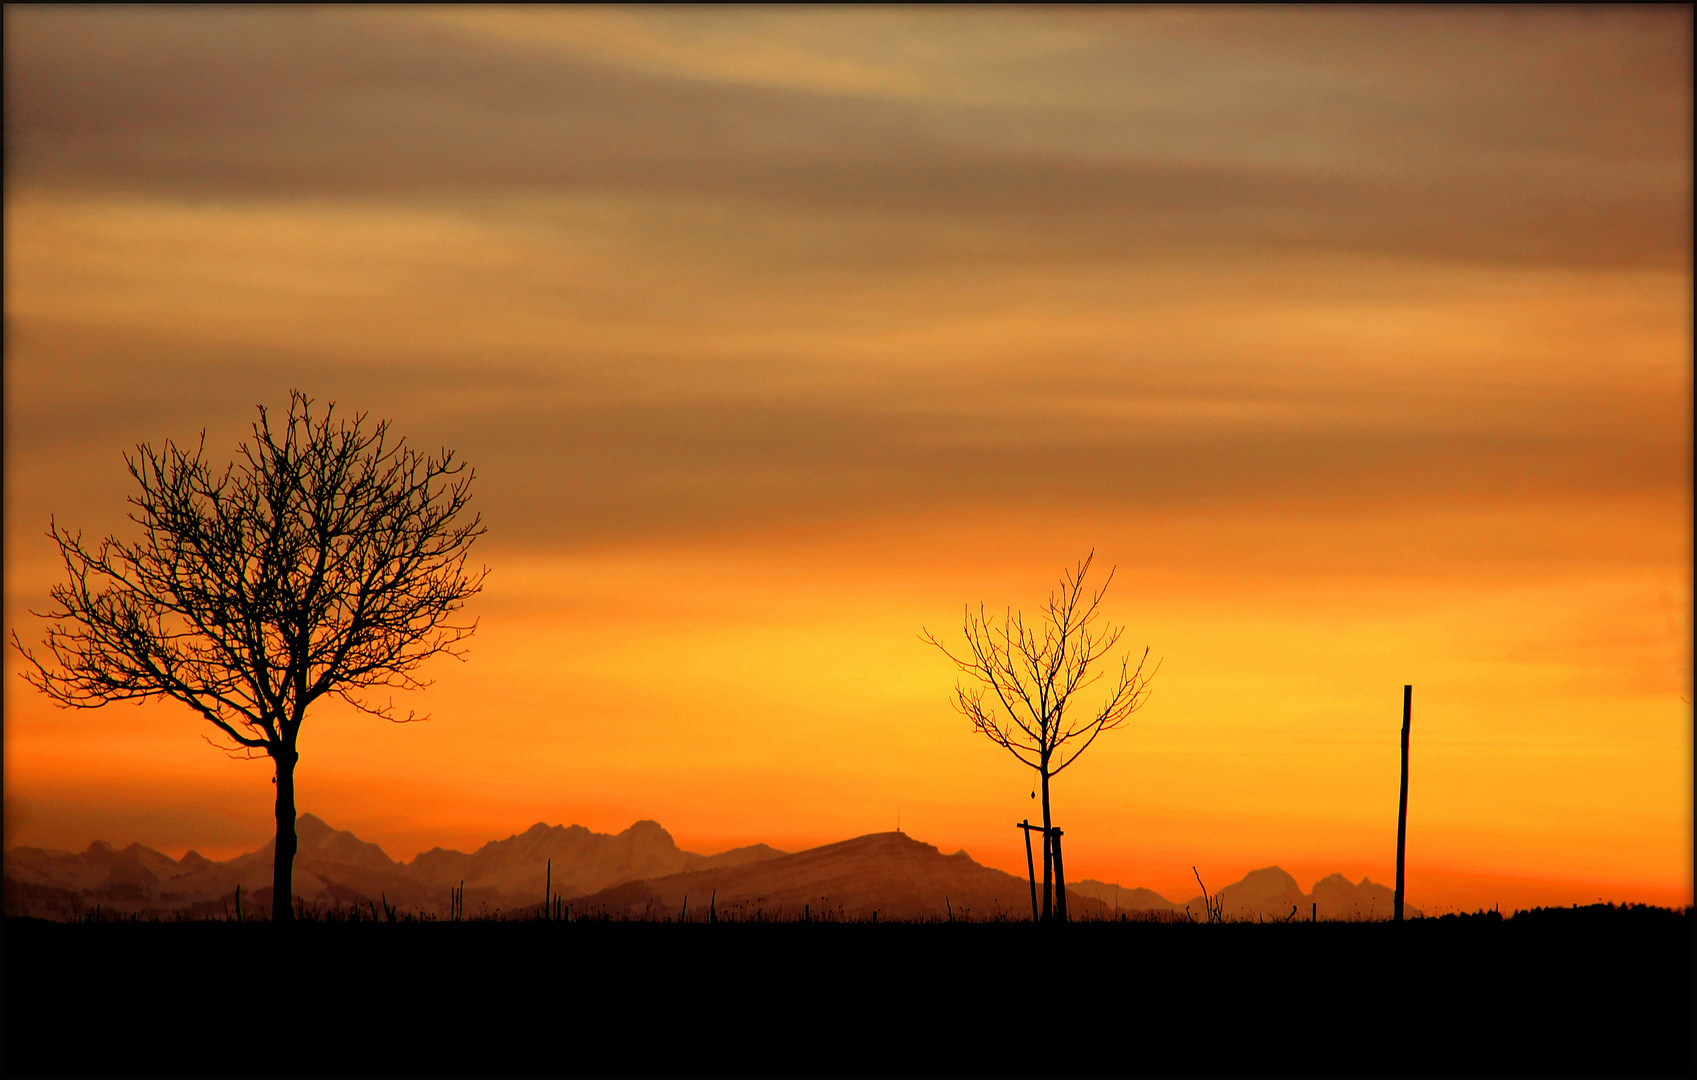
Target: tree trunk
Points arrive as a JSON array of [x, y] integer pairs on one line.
[[1048, 849], [282, 876]]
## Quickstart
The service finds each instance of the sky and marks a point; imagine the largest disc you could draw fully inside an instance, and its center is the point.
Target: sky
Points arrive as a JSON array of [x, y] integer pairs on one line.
[[1358, 342]]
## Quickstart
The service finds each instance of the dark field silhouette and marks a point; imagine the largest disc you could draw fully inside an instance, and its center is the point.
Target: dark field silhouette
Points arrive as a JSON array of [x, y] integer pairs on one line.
[[1546, 992]]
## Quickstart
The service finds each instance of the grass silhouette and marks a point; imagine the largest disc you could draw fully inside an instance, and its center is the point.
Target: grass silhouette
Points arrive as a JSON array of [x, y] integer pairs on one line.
[[1605, 988]]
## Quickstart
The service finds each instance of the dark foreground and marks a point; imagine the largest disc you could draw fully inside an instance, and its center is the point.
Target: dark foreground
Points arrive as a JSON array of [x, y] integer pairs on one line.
[[1566, 992]]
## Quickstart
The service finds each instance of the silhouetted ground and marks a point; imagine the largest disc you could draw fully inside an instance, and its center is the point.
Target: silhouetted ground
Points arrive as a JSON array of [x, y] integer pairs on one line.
[[1556, 992]]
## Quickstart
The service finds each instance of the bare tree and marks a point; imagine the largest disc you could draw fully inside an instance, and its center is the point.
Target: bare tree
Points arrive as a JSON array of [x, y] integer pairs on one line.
[[1021, 680], [325, 560]]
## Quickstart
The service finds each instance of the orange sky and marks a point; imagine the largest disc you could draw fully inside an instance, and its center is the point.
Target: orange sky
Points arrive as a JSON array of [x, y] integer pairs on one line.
[[1359, 340]]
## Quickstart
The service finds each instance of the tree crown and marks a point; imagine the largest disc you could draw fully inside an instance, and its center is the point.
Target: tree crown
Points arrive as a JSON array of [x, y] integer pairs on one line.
[[1022, 677], [325, 559]]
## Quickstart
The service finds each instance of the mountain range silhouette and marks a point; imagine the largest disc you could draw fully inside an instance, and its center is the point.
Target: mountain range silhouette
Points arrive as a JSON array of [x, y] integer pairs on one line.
[[1268, 893], [890, 874], [640, 872]]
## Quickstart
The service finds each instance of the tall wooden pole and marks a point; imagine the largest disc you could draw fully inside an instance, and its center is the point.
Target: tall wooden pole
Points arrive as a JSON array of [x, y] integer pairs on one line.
[[1402, 805]]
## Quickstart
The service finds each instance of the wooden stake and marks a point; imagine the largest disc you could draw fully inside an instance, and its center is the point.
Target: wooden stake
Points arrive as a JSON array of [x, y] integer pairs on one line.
[[1060, 881], [1402, 805], [1049, 877], [1030, 867]]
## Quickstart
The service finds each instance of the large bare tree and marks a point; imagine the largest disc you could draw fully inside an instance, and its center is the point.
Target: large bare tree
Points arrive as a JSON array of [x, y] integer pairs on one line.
[[327, 559], [1021, 680]]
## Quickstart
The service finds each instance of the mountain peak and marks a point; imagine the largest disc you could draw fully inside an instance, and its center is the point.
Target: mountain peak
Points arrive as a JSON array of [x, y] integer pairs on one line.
[[650, 833], [311, 827], [1270, 876], [338, 845]]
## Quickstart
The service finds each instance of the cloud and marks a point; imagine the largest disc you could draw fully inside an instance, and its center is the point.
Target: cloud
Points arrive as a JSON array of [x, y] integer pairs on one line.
[[1570, 150], [565, 464]]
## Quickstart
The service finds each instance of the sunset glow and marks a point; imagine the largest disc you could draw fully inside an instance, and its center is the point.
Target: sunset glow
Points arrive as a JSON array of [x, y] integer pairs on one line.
[[1359, 341]]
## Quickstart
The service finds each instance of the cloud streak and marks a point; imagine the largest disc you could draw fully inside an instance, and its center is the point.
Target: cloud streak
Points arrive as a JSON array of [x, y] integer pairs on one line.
[[1570, 154]]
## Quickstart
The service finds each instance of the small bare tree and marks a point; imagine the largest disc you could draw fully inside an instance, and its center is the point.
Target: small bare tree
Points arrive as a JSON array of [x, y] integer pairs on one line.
[[325, 560], [1021, 680]]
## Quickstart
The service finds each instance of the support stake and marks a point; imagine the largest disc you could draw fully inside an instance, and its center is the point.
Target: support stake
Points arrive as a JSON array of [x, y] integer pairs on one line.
[[1030, 867], [1060, 881]]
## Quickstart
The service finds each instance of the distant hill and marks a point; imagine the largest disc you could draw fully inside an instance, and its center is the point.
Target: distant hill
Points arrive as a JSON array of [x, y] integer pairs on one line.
[[1338, 899], [331, 867], [1121, 898], [335, 867], [632, 873], [889, 873], [1270, 893], [583, 861]]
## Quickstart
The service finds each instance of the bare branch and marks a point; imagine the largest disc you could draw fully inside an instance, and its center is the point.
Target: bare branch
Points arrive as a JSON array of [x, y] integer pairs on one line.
[[327, 558], [1028, 676]]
